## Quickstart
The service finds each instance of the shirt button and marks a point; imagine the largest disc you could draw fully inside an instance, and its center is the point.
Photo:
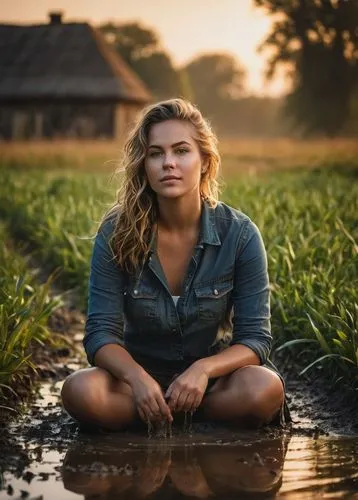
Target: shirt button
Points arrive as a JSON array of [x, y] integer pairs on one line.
[[135, 292], [216, 292], [174, 330]]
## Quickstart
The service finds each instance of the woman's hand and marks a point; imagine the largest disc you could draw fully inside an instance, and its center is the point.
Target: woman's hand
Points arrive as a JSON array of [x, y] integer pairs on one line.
[[186, 392], [155, 470], [149, 399]]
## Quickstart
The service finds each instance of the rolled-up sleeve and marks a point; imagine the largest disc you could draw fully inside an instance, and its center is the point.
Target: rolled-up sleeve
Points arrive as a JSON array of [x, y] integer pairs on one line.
[[251, 295], [104, 323]]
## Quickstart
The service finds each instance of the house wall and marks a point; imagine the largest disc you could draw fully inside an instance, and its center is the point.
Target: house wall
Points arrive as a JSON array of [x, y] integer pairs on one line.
[[66, 120], [56, 120], [124, 117]]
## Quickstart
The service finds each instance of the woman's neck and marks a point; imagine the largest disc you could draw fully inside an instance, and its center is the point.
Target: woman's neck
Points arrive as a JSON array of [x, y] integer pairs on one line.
[[179, 215]]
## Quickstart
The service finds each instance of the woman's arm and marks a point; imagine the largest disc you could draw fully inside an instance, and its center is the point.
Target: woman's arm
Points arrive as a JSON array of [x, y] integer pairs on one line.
[[227, 361], [251, 338], [104, 324], [251, 297], [103, 340], [187, 390]]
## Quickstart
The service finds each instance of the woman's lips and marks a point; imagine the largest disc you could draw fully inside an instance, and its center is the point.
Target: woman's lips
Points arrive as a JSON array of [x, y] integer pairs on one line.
[[169, 179]]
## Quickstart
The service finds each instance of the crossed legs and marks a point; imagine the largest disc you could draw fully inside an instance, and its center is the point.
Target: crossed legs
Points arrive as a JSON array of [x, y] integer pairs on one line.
[[252, 394]]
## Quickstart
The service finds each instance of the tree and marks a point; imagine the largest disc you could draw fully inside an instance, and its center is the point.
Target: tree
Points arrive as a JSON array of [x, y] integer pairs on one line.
[[141, 48], [317, 42], [216, 80]]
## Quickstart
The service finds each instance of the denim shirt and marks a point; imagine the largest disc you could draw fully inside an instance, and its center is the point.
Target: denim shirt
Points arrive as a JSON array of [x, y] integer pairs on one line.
[[225, 299]]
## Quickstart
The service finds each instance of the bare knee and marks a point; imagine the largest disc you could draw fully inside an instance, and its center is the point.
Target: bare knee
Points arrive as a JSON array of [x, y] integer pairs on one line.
[[251, 395], [264, 393], [82, 395]]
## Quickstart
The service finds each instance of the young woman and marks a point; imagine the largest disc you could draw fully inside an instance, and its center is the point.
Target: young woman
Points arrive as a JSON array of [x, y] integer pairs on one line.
[[178, 312]]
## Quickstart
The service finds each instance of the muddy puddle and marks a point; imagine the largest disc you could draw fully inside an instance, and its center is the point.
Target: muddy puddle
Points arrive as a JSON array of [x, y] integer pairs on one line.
[[49, 458]]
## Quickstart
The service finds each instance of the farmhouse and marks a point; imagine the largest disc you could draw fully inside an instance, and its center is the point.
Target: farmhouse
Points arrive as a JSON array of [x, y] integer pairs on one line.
[[63, 80]]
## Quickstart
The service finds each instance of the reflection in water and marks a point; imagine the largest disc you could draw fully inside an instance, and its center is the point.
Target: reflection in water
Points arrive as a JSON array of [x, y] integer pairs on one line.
[[321, 468], [222, 465], [197, 471]]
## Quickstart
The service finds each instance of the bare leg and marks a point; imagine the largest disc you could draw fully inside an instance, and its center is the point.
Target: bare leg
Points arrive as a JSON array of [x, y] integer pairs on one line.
[[94, 396], [250, 395]]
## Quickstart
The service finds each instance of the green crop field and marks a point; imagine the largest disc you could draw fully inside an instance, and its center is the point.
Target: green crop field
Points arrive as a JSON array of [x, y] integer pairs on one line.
[[25, 307], [307, 216]]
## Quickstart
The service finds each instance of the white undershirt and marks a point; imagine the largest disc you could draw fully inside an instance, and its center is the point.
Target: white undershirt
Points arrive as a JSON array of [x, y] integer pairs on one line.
[[175, 298]]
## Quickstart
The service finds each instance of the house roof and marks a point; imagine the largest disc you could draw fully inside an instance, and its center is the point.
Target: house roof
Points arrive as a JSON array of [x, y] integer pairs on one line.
[[69, 60]]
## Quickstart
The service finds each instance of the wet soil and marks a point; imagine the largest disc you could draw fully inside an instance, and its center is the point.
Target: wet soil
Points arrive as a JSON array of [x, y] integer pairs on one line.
[[44, 454]]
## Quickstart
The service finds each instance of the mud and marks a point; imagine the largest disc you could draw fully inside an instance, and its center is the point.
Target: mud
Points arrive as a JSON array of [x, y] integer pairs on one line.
[[44, 454]]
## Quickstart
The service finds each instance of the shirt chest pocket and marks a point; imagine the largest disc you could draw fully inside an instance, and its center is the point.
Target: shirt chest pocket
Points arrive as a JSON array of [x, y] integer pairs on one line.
[[141, 306], [213, 301]]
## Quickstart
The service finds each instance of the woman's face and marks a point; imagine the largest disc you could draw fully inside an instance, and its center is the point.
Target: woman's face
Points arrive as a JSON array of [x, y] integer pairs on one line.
[[173, 162]]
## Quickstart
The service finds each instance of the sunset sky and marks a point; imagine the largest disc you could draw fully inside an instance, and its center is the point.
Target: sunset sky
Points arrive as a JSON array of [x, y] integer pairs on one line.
[[186, 27]]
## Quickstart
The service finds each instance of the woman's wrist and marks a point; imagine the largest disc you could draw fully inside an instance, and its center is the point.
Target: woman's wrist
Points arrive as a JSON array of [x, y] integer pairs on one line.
[[204, 365], [133, 374]]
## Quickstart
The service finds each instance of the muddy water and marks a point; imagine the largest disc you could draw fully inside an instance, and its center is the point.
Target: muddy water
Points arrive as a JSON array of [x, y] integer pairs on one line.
[[57, 462]]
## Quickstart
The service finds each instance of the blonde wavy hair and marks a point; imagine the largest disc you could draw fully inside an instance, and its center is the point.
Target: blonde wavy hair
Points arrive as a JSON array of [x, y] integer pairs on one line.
[[135, 209]]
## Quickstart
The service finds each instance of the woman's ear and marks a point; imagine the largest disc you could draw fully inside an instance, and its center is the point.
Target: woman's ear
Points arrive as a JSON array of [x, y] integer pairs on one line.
[[204, 166]]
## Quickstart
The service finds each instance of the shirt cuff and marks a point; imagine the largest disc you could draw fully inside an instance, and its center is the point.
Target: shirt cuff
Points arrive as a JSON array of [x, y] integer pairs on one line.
[[93, 345], [260, 350]]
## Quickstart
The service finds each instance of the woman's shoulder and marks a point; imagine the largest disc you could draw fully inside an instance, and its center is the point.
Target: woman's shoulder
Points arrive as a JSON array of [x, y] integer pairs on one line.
[[230, 219], [234, 225], [223, 212], [108, 223], [105, 229]]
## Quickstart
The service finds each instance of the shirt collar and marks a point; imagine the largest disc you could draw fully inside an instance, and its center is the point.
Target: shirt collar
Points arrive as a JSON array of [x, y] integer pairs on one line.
[[208, 233]]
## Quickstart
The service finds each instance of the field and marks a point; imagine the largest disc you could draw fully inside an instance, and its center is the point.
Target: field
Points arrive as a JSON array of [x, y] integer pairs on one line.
[[25, 307], [302, 196], [249, 156]]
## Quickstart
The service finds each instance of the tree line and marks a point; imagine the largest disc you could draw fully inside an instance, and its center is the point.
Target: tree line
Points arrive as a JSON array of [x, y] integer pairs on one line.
[[315, 43]]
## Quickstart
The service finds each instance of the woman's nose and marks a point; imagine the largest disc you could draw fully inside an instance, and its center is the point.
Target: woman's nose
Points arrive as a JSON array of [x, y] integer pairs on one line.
[[168, 161]]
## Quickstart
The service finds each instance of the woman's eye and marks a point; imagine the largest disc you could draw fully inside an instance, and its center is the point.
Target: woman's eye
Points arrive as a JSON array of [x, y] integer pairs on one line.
[[182, 151], [154, 153]]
